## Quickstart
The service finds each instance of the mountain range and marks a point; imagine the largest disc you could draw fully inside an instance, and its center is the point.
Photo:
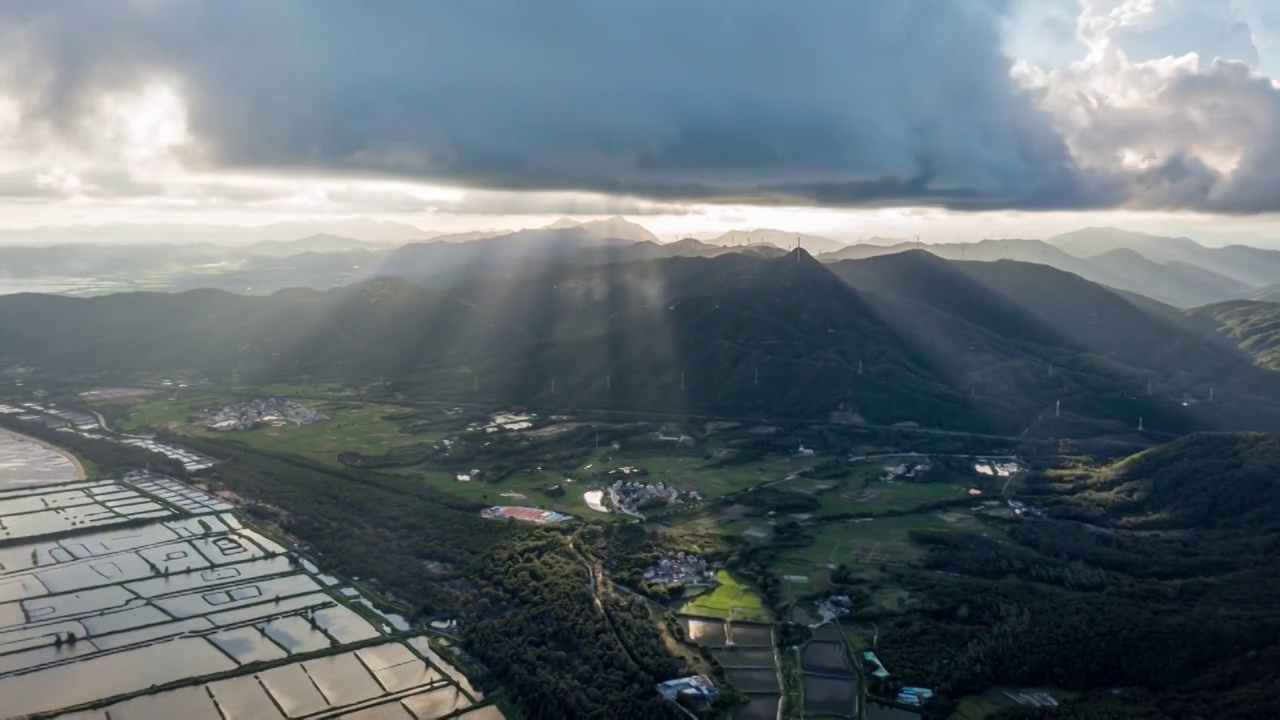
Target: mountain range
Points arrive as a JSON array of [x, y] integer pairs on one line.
[[1172, 270], [1005, 347], [1178, 272]]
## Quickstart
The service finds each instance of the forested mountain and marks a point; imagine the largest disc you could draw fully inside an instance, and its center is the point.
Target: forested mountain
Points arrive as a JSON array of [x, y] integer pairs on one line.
[[1253, 326], [1040, 305], [908, 337], [1250, 266], [1175, 282], [1266, 293], [559, 244], [1150, 587], [1204, 482]]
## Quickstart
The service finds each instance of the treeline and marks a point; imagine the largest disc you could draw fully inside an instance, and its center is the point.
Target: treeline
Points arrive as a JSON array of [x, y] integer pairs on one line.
[[532, 620], [416, 547]]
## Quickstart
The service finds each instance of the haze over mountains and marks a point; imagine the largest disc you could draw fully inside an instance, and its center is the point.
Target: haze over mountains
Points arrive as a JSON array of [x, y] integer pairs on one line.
[[600, 315], [1173, 270]]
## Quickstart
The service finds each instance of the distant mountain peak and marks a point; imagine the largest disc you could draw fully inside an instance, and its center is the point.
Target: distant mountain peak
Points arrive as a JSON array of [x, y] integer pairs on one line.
[[563, 224], [620, 228]]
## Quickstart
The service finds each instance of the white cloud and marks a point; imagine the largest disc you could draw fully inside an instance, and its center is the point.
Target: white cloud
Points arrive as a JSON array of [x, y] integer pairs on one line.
[[1177, 131]]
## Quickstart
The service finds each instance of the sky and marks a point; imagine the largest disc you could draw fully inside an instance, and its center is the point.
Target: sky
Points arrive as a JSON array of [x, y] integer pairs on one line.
[[951, 121]]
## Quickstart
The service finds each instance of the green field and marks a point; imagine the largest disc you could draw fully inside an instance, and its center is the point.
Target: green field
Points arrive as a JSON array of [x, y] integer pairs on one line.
[[528, 484], [887, 496], [351, 428], [731, 599], [689, 471], [866, 542]]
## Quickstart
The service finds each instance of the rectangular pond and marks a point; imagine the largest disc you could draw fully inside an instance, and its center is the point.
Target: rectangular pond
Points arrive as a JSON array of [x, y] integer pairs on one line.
[[296, 635], [830, 696], [709, 633], [343, 679], [751, 680], [247, 645], [345, 625], [826, 658], [745, 657], [104, 676], [750, 634], [759, 707]]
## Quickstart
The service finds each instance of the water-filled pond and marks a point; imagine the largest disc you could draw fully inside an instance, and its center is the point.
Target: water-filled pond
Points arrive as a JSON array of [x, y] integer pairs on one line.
[[296, 635], [247, 644], [293, 690], [759, 707], [825, 657], [342, 679], [107, 675], [710, 633], [753, 680], [825, 695], [750, 634]]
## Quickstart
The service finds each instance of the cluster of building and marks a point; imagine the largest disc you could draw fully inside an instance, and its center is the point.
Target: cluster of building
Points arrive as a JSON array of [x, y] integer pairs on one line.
[[833, 607], [255, 413], [681, 568], [505, 421], [1023, 509], [996, 469], [50, 416], [910, 472], [526, 514], [914, 695], [190, 459], [695, 690], [630, 495], [86, 425]]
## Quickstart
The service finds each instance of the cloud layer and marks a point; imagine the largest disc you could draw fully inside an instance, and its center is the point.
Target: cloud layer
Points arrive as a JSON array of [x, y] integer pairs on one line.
[[836, 103]]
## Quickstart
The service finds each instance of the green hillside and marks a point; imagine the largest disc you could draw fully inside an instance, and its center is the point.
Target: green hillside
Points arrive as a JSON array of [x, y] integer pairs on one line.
[[1252, 325]]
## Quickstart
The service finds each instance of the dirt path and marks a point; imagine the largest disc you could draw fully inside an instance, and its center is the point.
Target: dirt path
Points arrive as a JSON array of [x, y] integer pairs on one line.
[[75, 461], [593, 572]]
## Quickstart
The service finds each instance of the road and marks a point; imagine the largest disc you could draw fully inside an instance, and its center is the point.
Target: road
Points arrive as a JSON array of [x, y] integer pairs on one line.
[[593, 573]]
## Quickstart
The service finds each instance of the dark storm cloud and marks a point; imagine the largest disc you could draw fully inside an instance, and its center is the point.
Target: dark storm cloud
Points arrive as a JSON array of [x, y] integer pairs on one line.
[[827, 102]]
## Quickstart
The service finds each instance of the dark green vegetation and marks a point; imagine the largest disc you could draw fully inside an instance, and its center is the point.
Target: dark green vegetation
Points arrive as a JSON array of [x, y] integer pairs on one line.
[[1253, 326], [417, 542], [562, 650], [1162, 605], [1030, 331], [908, 338]]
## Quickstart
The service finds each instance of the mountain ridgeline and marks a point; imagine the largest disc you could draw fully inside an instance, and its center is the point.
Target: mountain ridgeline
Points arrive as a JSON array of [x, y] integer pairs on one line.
[[1005, 347]]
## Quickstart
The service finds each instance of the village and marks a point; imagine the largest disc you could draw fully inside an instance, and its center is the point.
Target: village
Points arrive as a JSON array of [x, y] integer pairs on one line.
[[632, 496], [682, 568], [256, 413]]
